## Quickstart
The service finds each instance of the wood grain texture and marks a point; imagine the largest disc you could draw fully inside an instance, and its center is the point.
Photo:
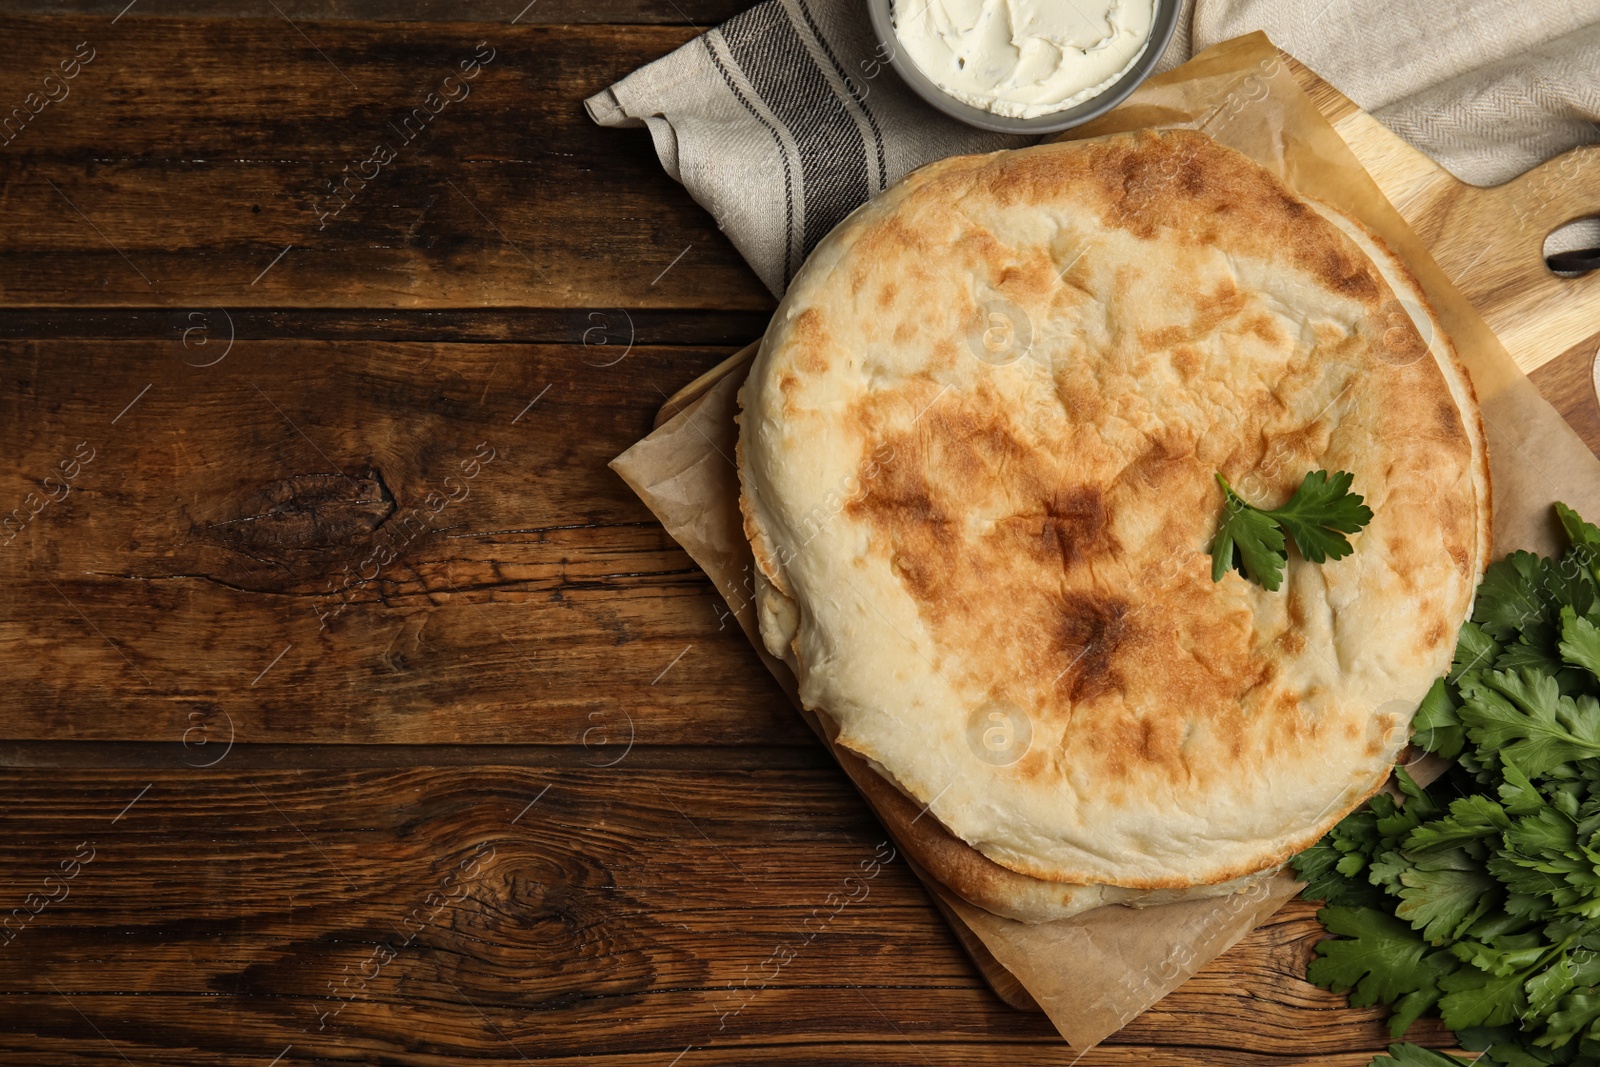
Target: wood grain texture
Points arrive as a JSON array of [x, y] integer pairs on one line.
[[1569, 383], [191, 153], [319, 500], [624, 916], [607, 331]]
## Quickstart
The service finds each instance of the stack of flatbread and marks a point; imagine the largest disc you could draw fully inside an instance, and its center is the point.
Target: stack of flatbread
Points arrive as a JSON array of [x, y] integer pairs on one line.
[[978, 452]]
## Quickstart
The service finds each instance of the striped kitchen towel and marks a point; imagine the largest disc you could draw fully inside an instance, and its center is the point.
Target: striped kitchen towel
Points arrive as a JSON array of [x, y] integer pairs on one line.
[[785, 118], [782, 121]]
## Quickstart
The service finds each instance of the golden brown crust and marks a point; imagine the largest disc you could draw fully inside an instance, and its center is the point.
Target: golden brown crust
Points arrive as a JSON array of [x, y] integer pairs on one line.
[[1467, 411]]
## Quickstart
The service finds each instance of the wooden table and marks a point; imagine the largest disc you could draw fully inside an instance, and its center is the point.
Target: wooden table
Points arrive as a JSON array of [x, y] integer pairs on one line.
[[356, 712]]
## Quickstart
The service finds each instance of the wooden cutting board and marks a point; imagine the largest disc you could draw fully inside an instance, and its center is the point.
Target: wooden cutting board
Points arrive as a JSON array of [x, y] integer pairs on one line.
[[1489, 240]]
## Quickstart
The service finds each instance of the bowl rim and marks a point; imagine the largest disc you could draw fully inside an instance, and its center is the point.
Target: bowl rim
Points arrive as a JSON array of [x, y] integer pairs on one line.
[[1163, 25]]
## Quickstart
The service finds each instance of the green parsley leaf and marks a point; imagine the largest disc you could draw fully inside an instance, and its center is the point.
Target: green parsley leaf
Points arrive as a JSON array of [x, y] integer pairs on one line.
[[1502, 1047], [1538, 654], [1517, 793], [1248, 540], [1579, 1011], [1396, 820], [1444, 894], [1478, 998], [1411, 1007], [1521, 715], [1470, 818], [1580, 642], [1318, 516], [1475, 650], [1545, 831], [1436, 726], [1508, 597], [1377, 959], [1520, 953], [1315, 867], [1566, 582], [1320, 513], [1385, 872], [1585, 538], [1546, 988]]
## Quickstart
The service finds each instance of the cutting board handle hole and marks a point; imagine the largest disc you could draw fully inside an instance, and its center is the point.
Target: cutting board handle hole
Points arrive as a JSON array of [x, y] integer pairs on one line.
[[1574, 249]]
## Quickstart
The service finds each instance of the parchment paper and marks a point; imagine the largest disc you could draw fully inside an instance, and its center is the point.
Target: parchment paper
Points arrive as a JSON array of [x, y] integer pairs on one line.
[[1093, 973]]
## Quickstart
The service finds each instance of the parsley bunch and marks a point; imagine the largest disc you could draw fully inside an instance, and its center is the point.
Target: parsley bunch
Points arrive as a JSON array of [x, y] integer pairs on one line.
[[1480, 900]]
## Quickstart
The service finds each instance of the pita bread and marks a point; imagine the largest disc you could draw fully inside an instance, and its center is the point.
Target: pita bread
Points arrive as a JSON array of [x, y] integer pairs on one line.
[[977, 452]]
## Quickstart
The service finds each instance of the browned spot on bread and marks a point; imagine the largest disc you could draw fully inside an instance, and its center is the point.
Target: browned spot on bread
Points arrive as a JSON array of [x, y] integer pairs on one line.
[[1448, 420], [1282, 450], [1222, 302], [1264, 328], [1262, 674], [1152, 183], [1166, 337], [945, 353], [1031, 279], [1211, 310], [1089, 632], [811, 342], [1297, 607], [1070, 527], [1386, 723], [1167, 456], [1340, 271], [1150, 750], [1186, 361], [1082, 402], [923, 577], [901, 502], [1288, 705]]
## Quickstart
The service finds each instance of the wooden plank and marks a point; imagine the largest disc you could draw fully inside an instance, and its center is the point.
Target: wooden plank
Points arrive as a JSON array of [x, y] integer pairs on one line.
[[354, 542], [607, 332], [487, 12], [616, 914], [201, 162], [592, 751]]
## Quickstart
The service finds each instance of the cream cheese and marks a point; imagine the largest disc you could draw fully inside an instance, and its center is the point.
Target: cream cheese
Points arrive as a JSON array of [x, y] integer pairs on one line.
[[1023, 58]]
